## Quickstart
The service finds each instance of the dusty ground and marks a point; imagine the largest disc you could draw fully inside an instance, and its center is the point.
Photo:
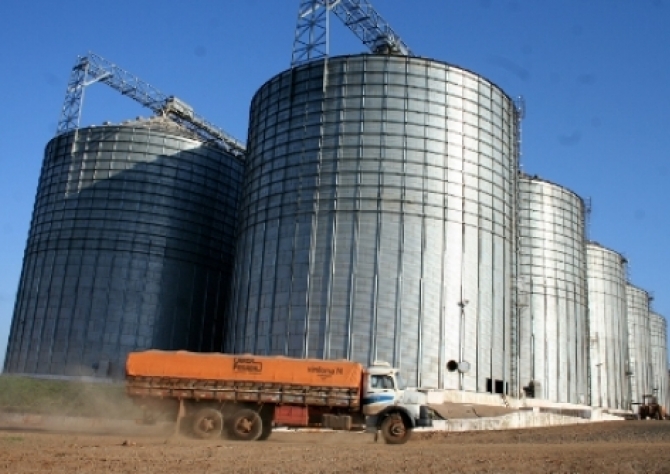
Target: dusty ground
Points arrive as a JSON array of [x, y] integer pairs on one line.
[[610, 447]]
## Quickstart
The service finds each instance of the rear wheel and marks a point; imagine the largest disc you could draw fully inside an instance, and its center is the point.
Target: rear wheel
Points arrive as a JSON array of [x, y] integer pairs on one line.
[[245, 425], [394, 430], [207, 423], [266, 431]]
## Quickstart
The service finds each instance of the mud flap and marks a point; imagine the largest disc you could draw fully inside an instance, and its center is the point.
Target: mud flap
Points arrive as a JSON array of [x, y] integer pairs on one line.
[[180, 415]]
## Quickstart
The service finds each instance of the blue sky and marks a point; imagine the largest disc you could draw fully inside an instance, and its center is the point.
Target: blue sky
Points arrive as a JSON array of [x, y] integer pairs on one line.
[[595, 76]]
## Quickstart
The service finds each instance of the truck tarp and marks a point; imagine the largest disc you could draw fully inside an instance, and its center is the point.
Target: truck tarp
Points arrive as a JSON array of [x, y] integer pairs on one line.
[[244, 368]]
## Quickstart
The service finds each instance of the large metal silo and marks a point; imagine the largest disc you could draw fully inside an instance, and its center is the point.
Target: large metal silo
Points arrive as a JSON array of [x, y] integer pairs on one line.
[[131, 246], [639, 342], [377, 220], [606, 273], [659, 358], [552, 304]]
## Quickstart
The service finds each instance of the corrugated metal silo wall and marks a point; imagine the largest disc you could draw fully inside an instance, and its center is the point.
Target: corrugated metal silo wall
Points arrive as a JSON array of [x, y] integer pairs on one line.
[[639, 342], [376, 199], [130, 247], [659, 358], [552, 292], [606, 272]]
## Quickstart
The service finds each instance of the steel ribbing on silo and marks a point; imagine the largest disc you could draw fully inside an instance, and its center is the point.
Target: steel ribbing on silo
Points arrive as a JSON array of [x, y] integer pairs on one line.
[[130, 247], [659, 358], [553, 337], [606, 274], [639, 342], [378, 197]]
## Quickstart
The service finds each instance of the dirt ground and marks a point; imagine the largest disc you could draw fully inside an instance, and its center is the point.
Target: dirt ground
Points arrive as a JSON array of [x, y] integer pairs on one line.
[[609, 447]]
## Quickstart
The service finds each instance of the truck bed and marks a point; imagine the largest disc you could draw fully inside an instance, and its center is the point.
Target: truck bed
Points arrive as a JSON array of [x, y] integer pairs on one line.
[[243, 378]]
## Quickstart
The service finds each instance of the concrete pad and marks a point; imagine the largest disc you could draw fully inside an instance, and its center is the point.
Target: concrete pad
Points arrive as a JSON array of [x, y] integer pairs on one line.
[[450, 410]]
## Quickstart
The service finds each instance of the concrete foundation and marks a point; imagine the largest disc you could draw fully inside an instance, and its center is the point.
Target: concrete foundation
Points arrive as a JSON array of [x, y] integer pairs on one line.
[[467, 411], [519, 420]]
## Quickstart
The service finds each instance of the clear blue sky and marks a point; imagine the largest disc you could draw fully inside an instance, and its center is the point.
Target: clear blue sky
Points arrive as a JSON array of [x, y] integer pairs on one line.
[[595, 75]]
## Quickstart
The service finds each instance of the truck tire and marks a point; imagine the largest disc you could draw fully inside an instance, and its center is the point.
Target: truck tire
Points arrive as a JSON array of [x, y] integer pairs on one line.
[[394, 430], [266, 431], [245, 425], [207, 423]]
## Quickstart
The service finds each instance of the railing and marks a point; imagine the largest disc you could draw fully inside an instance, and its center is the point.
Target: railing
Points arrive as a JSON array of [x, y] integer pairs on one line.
[[236, 391]]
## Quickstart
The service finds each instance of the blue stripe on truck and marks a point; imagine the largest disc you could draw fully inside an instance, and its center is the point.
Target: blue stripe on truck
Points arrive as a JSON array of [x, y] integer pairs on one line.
[[378, 398]]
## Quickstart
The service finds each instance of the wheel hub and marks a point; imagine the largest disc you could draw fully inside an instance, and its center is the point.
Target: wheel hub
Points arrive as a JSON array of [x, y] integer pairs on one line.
[[398, 429], [207, 424], [244, 425]]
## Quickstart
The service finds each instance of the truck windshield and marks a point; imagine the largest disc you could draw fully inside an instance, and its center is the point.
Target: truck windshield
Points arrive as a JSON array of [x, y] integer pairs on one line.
[[381, 381]]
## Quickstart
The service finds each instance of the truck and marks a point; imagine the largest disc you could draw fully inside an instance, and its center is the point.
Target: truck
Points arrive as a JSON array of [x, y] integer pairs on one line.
[[649, 408], [247, 396]]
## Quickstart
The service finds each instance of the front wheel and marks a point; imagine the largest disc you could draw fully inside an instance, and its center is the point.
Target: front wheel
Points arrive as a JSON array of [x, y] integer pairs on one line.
[[394, 430], [245, 425]]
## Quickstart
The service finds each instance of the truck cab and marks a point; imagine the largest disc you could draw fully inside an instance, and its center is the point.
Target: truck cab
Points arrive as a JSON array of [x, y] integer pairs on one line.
[[382, 386], [389, 406]]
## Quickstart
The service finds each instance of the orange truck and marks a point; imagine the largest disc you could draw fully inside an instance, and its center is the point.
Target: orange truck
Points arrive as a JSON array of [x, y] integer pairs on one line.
[[248, 395]]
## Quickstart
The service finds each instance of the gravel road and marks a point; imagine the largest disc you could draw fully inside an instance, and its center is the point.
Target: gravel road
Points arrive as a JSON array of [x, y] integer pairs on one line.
[[609, 447]]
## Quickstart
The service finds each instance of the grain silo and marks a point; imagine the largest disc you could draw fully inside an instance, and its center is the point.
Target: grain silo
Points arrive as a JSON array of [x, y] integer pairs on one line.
[[659, 358], [552, 305], [377, 220], [130, 247], [606, 274], [639, 342]]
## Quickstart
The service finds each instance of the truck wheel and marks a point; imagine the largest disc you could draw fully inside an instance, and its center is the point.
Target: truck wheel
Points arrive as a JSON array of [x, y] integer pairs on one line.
[[207, 423], [267, 414], [266, 431], [245, 425], [394, 430]]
